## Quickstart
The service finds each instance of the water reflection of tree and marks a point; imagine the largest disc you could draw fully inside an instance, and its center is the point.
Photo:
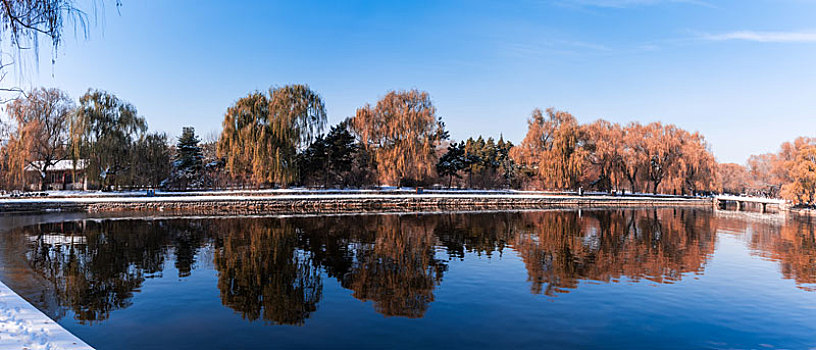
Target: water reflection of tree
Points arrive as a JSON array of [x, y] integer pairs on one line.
[[397, 269], [560, 249], [482, 234], [271, 268], [792, 243], [96, 267], [187, 238], [263, 274], [389, 260]]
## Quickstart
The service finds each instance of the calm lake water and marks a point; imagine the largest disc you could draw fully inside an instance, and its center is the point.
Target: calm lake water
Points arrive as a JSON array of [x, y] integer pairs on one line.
[[666, 278]]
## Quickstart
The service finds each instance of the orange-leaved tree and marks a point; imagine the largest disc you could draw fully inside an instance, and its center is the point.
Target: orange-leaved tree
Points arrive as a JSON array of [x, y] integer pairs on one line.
[[42, 120], [734, 178], [633, 159], [604, 145], [662, 148], [696, 166], [552, 150], [800, 166], [402, 132]]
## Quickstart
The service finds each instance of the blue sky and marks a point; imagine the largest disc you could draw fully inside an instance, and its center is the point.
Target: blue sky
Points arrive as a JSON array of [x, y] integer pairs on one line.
[[741, 72]]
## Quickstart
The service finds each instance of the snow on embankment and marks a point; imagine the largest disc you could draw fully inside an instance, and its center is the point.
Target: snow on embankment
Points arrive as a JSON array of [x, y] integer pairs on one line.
[[22, 326], [329, 203]]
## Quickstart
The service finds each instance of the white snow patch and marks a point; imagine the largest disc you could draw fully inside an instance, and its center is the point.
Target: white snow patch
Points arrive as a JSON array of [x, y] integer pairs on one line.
[[22, 326], [200, 198], [750, 199]]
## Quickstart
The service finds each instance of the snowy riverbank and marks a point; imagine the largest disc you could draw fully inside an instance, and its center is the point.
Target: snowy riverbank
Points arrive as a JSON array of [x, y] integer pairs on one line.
[[22, 326], [265, 202]]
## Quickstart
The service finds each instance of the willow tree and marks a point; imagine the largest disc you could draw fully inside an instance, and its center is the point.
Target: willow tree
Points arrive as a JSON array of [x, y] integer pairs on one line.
[[402, 131], [23, 22], [604, 145], [795, 166], [802, 172], [262, 134], [789, 173], [103, 132], [552, 149], [734, 178], [663, 148], [26, 23], [633, 155], [42, 119], [697, 168], [762, 174], [12, 158]]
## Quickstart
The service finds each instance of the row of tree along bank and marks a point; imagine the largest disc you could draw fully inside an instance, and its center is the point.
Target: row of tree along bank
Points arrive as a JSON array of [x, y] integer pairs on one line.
[[790, 173], [280, 138]]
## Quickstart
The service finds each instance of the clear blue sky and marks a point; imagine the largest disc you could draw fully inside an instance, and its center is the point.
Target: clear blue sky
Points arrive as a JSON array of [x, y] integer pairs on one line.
[[742, 72]]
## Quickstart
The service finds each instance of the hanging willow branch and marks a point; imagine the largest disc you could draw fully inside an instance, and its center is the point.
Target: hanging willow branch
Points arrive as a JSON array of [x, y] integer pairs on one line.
[[262, 134]]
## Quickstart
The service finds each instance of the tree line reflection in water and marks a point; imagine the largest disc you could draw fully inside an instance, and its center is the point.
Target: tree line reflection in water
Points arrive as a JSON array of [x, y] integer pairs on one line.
[[272, 269]]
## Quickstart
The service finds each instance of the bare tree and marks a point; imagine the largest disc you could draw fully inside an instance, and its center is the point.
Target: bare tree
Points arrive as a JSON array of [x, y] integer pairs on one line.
[[42, 120]]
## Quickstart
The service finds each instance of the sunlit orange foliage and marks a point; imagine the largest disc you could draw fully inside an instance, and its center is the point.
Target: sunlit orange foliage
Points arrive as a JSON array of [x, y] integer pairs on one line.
[[13, 156], [733, 177], [696, 166], [605, 146], [762, 174], [402, 131], [551, 149], [40, 139], [561, 154], [801, 171], [633, 156], [662, 148], [789, 173]]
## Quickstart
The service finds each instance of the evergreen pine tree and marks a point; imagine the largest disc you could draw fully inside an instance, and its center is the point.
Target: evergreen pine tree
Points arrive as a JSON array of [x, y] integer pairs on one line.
[[312, 162], [189, 156], [341, 147], [452, 162], [188, 162], [506, 162], [329, 159]]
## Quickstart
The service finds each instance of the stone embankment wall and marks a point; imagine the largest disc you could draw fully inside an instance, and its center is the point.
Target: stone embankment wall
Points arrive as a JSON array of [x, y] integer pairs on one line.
[[256, 205]]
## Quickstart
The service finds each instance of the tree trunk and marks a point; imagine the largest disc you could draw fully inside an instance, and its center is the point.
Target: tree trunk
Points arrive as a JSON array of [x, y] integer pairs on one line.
[[632, 184], [632, 180]]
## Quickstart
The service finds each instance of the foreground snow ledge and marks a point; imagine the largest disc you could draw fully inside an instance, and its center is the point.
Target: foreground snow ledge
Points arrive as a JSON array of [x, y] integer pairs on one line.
[[22, 326]]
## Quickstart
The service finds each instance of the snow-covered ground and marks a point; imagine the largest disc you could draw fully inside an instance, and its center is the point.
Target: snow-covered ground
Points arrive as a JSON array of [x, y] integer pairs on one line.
[[750, 199], [315, 196], [303, 193], [22, 326], [275, 191]]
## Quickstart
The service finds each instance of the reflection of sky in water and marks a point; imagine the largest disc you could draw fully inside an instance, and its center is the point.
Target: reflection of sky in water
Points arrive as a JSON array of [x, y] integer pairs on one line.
[[606, 279]]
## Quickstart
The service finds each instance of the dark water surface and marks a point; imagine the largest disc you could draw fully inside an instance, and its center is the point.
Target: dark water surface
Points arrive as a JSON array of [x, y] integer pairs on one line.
[[666, 278]]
